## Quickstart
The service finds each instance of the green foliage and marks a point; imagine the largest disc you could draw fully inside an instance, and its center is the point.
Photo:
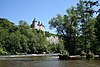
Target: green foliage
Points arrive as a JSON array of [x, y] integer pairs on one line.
[[87, 23], [64, 55], [97, 50], [90, 55], [64, 52], [47, 34], [66, 27], [77, 27], [21, 39], [78, 30], [97, 33], [56, 48], [83, 54], [5, 24], [2, 51]]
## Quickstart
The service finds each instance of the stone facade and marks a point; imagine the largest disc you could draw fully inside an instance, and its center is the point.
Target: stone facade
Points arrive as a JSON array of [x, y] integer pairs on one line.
[[37, 25]]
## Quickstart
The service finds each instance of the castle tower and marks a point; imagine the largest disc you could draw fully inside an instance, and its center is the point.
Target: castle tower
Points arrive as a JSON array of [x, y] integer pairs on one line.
[[37, 25], [33, 23]]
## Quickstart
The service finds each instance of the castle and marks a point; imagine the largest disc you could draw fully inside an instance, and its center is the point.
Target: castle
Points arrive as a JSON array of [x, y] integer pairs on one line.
[[37, 25]]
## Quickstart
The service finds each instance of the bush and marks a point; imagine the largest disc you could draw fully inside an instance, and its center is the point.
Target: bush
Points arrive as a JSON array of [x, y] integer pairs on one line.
[[2, 51], [90, 55], [83, 54], [98, 51], [64, 52], [64, 55]]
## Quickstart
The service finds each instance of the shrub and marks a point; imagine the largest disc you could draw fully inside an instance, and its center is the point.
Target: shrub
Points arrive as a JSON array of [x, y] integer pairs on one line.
[[90, 55], [64, 55], [2, 51], [83, 54]]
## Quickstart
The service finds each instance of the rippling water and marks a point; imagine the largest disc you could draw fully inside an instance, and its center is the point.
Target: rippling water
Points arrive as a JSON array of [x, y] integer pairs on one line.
[[46, 62]]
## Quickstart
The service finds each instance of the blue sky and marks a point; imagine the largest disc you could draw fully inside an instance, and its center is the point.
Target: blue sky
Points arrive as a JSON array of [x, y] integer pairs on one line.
[[42, 10]]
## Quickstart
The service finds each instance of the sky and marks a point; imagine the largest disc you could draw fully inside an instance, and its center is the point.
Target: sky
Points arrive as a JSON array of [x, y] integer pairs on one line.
[[27, 10]]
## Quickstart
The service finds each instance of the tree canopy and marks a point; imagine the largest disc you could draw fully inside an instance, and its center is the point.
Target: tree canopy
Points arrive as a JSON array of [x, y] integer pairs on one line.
[[18, 39], [78, 30], [77, 27]]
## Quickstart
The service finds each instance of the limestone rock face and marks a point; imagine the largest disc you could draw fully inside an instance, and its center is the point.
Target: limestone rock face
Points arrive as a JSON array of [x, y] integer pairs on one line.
[[53, 39]]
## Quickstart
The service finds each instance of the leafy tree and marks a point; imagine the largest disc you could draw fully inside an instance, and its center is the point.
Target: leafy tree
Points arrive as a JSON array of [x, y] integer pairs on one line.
[[77, 26], [41, 43], [4, 34], [48, 34], [87, 22], [17, 39], [97, 33], [67, 27], [5, 24]]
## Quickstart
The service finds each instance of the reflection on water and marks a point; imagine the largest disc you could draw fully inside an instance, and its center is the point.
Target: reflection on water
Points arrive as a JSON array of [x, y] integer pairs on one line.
[[46, 62]]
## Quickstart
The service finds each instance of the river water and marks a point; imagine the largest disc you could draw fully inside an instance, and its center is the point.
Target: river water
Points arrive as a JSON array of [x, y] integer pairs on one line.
[[47, 62]]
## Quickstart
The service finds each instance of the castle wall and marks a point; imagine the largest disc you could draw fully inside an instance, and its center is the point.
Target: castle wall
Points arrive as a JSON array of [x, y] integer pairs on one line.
[[41, 28], [38, 25]]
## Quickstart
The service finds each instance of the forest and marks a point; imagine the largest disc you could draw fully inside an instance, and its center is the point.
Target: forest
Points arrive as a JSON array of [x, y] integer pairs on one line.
[[78, 31], [22, 39], [79, 28]]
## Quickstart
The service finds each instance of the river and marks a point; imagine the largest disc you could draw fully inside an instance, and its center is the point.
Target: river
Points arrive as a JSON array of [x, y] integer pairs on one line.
[[46, 62]]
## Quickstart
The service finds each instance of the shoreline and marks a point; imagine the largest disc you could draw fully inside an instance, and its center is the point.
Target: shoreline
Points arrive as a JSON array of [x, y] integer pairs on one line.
[[27, 55], [37, 55]]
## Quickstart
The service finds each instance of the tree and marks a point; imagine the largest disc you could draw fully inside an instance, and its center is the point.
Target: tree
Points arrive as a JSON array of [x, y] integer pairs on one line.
[[4, 33], [97, 33], [5, 24], [41, 42], [77, 26], [67, 27], [18, 39], [87, 22]]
